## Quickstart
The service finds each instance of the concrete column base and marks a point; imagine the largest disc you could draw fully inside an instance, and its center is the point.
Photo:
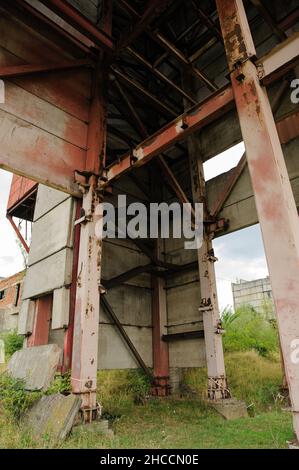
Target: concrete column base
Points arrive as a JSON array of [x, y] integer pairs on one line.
[[230, 408]]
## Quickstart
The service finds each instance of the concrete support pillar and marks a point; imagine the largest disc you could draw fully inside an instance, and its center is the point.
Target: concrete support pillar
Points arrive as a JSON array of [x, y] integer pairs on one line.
[[273, 193], [42, 321]]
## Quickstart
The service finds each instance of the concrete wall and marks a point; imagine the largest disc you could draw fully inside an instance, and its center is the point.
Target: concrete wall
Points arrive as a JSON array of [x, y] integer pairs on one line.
[[183, 300], [257, 293], [239, 207]]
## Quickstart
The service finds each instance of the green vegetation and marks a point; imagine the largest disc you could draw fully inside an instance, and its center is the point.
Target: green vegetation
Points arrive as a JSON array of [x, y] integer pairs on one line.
[[14, 399], [120, 390], [12, 342], [138, 421], [247, 330], [61, 384], [252, 378]]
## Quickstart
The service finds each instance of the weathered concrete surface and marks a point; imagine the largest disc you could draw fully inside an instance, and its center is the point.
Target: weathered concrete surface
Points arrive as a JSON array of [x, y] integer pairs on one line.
[[60, 309], [239, 207], [49, 274], [36, 365], [53, 416], [52, 232], [231, 408], [26, 317], [47, 199]]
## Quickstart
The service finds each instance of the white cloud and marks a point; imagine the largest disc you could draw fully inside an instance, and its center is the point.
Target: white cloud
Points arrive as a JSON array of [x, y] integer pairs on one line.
[[224, 161], [240, 256], [11, 260]]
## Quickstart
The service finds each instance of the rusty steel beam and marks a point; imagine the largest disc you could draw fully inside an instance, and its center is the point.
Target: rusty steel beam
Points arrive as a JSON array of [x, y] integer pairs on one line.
[[159, 307], [172, 49], [96, 138], [173, 182], [126, 276], [132, 83], [274, 198], [238, 41], [279, 60], [183, 335], [203, 113], [12, 71], [153, 9], [269, 19], [42, 320], [37, 10], [88, 283], [288, 127], [107, 16], [162, 163], [207, 21], [126, 338], [160, 75], [289, 20], [72, 16], [194, 119], [160, 349], [86, 317], [138, 124], [18, 233]]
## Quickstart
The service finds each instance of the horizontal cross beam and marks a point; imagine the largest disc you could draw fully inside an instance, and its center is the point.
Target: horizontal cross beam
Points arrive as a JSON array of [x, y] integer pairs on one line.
[[11, 71], [203, 113]]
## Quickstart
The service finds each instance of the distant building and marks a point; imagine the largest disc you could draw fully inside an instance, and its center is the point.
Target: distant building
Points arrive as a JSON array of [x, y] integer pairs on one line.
[[256, 293], [10, 299]]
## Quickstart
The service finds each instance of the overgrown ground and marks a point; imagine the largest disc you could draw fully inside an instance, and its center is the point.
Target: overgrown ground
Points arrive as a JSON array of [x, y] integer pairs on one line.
[[254, 374]]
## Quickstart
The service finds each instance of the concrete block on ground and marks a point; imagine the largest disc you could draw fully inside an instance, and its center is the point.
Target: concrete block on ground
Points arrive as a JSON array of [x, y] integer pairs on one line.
[[293, 444], [26, 317], [231, 408], [49, 274], [53, 416], [60, 309], [36, 365], [100, 427]]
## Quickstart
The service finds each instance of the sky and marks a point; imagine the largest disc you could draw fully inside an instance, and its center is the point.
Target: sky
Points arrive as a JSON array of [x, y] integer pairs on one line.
[[11, 259], [240, 254]]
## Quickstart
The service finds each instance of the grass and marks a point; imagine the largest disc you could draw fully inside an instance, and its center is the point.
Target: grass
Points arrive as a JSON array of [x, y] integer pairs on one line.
[[251, 378], [186, 422], [254, 375]]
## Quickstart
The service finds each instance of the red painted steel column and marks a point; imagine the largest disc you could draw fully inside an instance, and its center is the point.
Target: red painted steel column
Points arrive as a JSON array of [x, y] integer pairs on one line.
[[69, 333], [42, 320], [271, 185], [86, 322], [159, 319]]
